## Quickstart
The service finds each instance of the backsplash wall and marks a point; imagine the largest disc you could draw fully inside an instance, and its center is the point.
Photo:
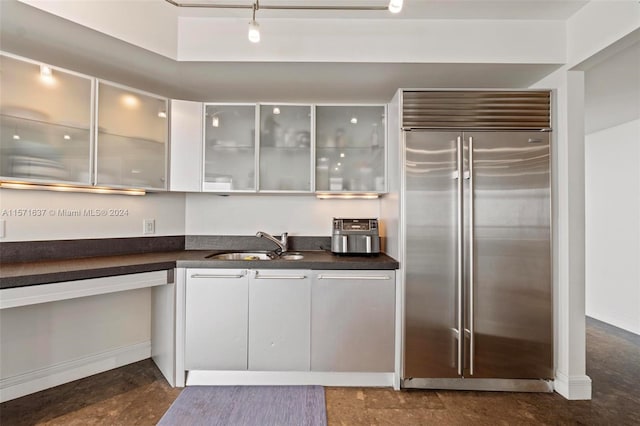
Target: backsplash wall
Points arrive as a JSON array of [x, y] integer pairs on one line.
[[31, 215], [208, 214], [174, 214]]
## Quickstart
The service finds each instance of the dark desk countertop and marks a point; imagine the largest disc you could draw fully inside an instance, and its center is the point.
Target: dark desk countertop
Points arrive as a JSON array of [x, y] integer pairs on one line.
[[20, 274]]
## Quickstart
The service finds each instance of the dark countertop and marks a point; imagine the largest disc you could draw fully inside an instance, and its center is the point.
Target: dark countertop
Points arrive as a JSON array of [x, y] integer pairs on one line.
[[20, 274]]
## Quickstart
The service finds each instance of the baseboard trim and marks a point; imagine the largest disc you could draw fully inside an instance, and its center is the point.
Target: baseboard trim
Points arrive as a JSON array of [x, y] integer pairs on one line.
[[24, 384], [287, 378], [573, 387]]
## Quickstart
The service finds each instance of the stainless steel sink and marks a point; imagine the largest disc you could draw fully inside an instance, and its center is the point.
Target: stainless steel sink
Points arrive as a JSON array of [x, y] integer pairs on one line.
[[291, 256], [244, 255], [256, 255]]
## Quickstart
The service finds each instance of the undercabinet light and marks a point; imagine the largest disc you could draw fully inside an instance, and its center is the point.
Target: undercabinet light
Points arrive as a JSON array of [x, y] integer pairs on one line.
[[71, 188], [348, 196]]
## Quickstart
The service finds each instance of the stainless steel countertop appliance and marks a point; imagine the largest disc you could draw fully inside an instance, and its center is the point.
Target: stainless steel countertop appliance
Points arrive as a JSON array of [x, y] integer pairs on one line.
[[355, 237]]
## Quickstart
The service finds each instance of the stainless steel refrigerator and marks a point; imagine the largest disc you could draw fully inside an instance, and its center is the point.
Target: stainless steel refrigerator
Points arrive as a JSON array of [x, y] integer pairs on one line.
[[477, 237]]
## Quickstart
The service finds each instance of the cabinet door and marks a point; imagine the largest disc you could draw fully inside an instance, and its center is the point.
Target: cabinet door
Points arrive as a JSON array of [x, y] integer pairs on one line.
[[131, 138], [45, 123], [285, 148], [279, 320], [229, 148], [350, 148], [353, 321], [216, 319], [186, 146]]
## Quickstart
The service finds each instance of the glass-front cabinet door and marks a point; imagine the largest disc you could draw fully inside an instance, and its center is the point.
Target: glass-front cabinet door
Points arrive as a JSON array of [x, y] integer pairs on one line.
[[131, 138], [350, 148], [285, 148], [45, 123], [230, 148]]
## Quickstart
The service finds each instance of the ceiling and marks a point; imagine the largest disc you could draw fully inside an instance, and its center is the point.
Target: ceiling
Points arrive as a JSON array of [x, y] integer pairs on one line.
[[38, 35]]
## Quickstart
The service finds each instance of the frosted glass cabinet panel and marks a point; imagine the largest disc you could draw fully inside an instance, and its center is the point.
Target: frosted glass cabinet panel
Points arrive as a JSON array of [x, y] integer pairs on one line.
[[285, 148], [350, 148], [229, 148], [45, 122], [131, 138]]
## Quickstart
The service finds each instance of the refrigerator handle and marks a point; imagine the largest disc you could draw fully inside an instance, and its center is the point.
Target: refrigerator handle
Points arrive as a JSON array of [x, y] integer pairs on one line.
[[471, 261], [460, 249]]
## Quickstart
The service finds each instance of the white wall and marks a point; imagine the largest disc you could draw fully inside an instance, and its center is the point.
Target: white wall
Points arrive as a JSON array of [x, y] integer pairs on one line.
[[209, 214], [166, 208], [149, 24], [374, 40], [612, 90], [598, 25], [48, 344], [612, 93]]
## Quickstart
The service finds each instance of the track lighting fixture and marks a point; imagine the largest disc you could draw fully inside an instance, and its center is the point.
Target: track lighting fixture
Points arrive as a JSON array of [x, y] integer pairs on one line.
[[254, 27], [394, 6]]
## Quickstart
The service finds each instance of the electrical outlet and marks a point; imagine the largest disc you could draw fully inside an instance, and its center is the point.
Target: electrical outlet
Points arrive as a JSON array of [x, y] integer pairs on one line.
[[149, 226], [3, 224]]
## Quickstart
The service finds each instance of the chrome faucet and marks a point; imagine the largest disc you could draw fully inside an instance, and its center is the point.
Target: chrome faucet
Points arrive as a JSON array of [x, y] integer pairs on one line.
[[282, 243]]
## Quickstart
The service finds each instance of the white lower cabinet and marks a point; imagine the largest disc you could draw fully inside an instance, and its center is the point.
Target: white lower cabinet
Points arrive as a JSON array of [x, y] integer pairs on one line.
[[216, 319], [289, 320], [279, 320], [353, 321]]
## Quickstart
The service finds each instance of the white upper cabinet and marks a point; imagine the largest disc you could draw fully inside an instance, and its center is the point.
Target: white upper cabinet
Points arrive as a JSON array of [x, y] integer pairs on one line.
[[285, 148], [45, 123], [131, 138], [230, 147], [350, 148], [299, 148], [186, 146]]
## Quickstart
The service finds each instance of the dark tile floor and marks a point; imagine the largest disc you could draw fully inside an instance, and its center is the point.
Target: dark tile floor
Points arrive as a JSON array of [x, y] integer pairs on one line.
[[137, 394]]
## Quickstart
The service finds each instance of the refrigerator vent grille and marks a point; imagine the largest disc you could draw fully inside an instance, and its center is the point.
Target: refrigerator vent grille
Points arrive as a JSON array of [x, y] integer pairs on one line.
[[489, 110]]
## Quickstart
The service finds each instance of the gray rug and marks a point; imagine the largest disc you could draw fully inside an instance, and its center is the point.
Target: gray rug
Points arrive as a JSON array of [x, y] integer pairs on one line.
[[248, 406]]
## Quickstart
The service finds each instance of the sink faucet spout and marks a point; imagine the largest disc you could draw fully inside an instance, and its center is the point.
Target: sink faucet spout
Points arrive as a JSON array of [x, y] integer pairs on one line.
[[282, 243]]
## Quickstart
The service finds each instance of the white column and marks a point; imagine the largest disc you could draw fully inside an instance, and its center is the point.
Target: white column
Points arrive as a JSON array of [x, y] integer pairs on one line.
[[568, 199]]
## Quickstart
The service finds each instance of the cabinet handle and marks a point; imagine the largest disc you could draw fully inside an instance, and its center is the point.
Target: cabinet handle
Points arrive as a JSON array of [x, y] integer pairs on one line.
[[280, 277], [216, 276], [353, 277]]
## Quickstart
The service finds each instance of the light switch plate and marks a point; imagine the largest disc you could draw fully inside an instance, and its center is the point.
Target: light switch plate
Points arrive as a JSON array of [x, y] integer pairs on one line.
[[148, 226]]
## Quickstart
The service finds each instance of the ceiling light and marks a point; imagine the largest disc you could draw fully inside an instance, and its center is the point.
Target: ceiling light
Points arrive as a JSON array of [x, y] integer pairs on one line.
[[130, 101], [254, 28], [46, 74], [276, 110], [16, 137], [46, 71], [354, 120], [395, 6], [342, 155]]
